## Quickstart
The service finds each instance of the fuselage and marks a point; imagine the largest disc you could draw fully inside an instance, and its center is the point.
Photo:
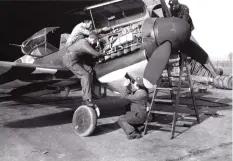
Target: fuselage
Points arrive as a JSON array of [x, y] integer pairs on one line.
[[48, 71], [112, 71]]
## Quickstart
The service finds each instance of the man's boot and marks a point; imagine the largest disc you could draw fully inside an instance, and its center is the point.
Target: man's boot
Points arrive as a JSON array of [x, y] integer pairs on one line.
[[88, 103], [134, 135]]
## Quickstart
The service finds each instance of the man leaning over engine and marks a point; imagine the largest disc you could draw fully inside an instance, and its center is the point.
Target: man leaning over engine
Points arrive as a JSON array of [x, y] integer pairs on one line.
[[79, 59], [79, 55], [82, 30]]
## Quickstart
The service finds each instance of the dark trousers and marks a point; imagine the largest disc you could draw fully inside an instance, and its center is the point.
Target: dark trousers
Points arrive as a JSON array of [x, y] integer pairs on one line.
[[130, 120], [83, 72]]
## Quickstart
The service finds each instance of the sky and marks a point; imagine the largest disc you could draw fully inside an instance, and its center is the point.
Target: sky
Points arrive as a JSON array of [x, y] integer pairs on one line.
[[213, 21]]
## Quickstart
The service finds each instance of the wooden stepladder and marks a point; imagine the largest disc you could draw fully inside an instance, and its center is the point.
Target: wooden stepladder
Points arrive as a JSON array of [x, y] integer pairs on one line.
[[175, 98]]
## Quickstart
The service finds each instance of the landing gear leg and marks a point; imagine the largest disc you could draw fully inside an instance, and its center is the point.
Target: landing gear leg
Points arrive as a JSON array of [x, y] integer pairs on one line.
[[67, 91]]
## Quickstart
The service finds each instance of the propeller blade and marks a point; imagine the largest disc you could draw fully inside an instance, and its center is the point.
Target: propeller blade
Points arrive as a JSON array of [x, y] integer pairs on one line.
[[165, 9], [193, 50], [156, 64]]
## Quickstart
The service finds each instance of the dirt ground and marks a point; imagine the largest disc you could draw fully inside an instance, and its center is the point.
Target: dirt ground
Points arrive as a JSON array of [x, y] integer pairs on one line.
[[40, 129]]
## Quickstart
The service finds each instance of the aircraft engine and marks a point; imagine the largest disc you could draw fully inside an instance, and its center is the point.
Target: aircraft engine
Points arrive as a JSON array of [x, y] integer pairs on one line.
[[122, 40]]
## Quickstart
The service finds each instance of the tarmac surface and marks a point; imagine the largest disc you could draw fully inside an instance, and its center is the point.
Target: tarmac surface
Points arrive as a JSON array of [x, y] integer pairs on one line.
[[40, 129]]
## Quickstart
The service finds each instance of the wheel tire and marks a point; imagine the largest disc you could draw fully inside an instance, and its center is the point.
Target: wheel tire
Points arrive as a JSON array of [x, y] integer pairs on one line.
[[84, 121]]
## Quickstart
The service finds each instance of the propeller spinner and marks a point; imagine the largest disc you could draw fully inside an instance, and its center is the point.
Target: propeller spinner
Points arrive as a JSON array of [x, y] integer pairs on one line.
[[160, 37]]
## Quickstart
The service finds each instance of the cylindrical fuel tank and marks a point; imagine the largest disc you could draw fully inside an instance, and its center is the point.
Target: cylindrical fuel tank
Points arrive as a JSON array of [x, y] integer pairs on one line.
[[227, 82], [223, 82]]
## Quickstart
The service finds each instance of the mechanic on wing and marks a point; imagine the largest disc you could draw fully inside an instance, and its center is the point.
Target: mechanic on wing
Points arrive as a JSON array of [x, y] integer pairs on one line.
[[181, 11], [83, 29], [79, 55], [79, 59], [138, 103]]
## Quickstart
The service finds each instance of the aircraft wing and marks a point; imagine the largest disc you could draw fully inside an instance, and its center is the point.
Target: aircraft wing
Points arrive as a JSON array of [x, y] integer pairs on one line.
[[21, 70], [15, 75]]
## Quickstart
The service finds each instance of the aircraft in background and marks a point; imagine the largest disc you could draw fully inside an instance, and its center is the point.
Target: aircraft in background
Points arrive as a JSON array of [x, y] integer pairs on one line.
[[140, 39]]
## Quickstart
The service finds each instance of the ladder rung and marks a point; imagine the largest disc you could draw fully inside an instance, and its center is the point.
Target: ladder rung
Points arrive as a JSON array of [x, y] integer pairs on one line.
[[163, 100], [174, 65], [162, 112], [183, 115], [175, 88], [177, 76], [189, 118], [181, 88], [182, 105], [164, 89]]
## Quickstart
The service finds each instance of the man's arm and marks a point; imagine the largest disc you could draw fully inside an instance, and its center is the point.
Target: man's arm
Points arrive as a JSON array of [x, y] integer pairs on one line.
[[84, 31], [125, 91], [102, 30], [186, 13], [89, 49], [133, 97]]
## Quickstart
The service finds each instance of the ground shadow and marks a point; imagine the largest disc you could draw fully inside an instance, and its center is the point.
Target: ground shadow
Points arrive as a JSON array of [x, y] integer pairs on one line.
[[106, 128], [6, 98], [109, 107], [43, 121], [58, 102], [164, 123], [207, 107], [114, 106]]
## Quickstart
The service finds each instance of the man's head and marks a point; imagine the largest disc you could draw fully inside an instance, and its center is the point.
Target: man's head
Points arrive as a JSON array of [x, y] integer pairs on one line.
[[92, 39], [138, 83], [88, 24], [174, 5]]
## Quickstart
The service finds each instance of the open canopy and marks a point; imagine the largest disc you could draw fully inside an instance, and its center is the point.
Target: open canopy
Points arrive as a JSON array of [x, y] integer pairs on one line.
[[37, 44], [116, 12]]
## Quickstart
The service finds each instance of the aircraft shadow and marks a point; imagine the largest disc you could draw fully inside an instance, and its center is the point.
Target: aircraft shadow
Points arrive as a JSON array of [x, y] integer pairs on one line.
[[109, 107], [7, 98], [106, 128], [43, 121], [49, 101], [115, 106]]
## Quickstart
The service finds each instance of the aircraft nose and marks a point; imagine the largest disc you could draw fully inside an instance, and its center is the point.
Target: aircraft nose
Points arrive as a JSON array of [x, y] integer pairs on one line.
[[172, 29], [156, 31]]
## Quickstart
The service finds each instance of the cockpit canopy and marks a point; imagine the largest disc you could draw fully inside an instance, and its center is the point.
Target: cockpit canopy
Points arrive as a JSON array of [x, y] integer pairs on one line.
[[116, 12], [37, 45]]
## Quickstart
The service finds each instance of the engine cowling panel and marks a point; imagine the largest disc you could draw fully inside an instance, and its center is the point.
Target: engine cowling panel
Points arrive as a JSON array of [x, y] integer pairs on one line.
[[122, 40]]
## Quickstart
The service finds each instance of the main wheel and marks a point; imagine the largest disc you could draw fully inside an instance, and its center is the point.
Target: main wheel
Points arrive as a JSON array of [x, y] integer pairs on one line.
[[84, 120]]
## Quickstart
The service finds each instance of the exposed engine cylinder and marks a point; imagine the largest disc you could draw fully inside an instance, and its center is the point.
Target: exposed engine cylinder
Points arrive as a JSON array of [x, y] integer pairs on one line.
[[122, 40]]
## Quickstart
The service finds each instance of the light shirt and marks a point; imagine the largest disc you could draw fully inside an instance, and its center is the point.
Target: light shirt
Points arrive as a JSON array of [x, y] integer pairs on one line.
[[78, 32]]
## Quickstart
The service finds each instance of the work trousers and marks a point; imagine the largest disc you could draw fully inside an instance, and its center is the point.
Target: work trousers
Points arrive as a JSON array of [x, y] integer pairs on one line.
[[83, 72], [132, 119]]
